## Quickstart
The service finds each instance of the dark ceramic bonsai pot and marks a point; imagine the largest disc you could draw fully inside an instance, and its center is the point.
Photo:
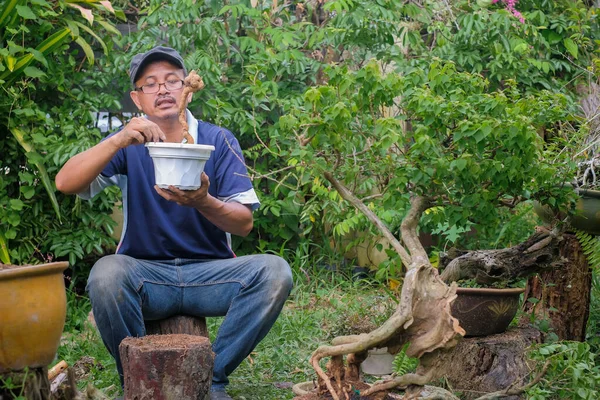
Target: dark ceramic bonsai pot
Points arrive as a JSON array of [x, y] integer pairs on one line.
[[483, 312]]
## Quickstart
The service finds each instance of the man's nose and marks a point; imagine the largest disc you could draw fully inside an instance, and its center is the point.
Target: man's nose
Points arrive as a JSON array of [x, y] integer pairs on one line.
[[162, 88]]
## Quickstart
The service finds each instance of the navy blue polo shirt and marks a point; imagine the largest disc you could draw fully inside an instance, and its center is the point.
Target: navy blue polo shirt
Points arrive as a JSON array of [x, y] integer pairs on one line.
[[158, 229]]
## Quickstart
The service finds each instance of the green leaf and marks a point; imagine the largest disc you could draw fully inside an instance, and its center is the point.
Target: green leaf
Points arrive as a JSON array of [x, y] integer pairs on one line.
[[109, 27], [121, 15], [89, 53], [28, 191], [7, 11], [34, 72], [25, 12], [461, 163], [11, 62], [47, 46], [14, 219], [571, 47], [16, 204], [20, 136], [4, 255], [91, 32]]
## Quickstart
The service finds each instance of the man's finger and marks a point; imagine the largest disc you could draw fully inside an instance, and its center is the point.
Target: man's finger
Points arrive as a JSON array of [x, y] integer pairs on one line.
[[163, 193], [204, 179]]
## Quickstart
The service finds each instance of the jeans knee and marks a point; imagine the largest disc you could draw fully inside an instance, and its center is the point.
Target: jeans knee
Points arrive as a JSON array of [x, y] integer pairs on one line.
[[108, 276], [279, 273]]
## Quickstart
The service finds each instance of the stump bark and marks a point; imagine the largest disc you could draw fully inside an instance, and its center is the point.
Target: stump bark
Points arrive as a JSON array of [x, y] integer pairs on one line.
[[486, 364], [167, 367], [564, 293]]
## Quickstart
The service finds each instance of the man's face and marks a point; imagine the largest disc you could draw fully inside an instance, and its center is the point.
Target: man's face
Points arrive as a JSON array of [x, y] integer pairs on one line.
[[163, 104]]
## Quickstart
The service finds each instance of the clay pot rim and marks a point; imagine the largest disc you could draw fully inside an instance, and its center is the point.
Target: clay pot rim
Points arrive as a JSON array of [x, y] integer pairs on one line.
[[33, 270], [490, 291], [584, 191]]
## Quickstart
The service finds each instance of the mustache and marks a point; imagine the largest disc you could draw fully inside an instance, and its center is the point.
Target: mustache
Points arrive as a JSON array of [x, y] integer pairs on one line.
[[160, 99]]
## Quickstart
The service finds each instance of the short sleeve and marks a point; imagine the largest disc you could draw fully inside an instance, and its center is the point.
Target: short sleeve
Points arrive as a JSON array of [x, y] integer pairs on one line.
[[231, 174], [110, 175]]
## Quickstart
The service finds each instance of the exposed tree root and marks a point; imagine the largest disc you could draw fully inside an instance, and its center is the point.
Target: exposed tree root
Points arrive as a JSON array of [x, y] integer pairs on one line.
[[422, 319], [192, 83]]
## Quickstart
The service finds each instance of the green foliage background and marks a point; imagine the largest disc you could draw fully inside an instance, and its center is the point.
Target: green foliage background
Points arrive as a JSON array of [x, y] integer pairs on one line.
[[458, 100]]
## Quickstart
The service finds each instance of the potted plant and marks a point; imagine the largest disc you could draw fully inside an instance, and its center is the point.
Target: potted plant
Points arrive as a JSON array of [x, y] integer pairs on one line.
[[179, 164], [586, 214], [483, 311], [32, 314]]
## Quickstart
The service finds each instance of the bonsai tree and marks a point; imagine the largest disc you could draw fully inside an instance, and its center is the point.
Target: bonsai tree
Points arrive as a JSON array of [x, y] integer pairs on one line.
[[436, 139]]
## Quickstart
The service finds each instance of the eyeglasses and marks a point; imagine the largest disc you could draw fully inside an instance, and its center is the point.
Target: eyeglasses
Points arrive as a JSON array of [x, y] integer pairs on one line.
[[171, 85]]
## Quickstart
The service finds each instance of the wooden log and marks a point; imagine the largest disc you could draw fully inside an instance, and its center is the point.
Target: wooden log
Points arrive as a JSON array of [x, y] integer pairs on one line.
[[178, 324], [32, 384], [486, 364], [563, 294], [164, 367]]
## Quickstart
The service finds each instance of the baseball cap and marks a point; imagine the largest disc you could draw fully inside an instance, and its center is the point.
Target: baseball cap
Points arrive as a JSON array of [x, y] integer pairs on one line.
[[157, 53]]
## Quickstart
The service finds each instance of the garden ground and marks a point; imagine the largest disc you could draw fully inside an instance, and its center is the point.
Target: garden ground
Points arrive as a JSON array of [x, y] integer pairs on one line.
[[322, 305]]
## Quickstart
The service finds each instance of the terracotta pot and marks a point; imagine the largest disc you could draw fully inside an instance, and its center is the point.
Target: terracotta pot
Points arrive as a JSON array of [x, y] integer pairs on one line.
[[587, 217], [483, 312], [33, 307]]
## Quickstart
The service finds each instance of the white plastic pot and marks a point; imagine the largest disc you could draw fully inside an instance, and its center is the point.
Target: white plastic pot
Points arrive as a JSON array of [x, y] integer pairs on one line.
[[179, 164], [378, 362]]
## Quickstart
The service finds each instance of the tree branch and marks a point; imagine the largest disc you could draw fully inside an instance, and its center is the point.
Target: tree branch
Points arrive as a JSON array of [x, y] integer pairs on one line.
[[371, 216], [408, 230]]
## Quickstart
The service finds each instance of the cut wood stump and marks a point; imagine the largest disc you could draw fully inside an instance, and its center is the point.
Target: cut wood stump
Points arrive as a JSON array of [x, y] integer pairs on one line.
[[166, 367], [486, 364]]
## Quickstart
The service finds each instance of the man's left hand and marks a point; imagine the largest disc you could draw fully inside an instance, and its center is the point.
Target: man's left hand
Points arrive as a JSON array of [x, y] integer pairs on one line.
[[189, 198]]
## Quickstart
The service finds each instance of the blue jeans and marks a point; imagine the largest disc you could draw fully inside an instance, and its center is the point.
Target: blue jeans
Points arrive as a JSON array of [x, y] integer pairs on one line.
[[250, 291]]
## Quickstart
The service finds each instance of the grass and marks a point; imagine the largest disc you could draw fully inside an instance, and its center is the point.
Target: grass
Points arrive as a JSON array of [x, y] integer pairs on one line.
[[319, 308]]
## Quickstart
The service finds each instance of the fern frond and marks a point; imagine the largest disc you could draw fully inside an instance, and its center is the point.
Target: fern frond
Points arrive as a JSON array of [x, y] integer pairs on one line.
[[591, 248]]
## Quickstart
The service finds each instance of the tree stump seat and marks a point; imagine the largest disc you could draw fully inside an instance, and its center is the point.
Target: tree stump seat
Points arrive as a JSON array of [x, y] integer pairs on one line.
[[174, 360]]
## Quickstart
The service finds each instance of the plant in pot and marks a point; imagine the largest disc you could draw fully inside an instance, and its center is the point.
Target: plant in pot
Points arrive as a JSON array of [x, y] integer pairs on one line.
[[465, 155], [32, 314], [484, 310], [584, 214], [181, 164]]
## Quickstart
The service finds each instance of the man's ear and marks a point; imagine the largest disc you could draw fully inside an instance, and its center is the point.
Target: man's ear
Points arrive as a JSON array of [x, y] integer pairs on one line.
[[189, 98], [134, 96]]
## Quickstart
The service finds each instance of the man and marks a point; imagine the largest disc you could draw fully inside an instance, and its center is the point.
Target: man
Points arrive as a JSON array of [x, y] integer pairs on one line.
[[174, 256]]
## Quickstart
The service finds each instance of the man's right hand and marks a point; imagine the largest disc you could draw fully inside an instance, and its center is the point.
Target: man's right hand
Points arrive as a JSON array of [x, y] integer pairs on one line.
[[138, 131], [79, 172]]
